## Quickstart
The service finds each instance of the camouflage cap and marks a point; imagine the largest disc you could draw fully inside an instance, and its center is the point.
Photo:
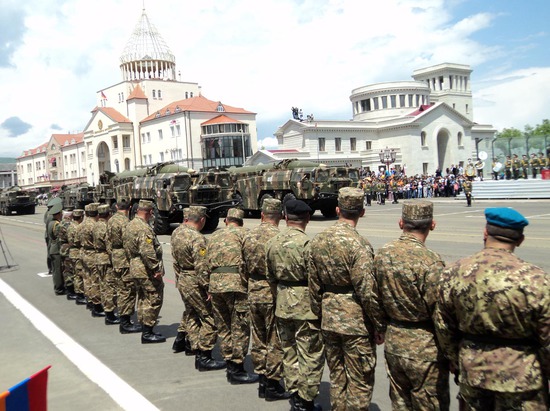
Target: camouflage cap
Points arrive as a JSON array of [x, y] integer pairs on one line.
[[195, 211], [272, 206], [56, 208], [54, 201], [417, 210], [146, 204], [103, 209], [78, 212], [350, 198], [91, 207], [235, 213]]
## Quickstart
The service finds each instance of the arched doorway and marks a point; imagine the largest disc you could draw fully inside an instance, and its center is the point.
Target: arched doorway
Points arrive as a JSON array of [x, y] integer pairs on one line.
[[442, 148], [103, 158]]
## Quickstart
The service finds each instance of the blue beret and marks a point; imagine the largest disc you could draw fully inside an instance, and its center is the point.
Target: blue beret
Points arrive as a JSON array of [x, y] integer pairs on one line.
[[505, 217], [297, 207]]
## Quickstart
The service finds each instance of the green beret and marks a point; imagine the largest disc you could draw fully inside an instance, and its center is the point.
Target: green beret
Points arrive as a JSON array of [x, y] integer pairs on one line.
[[350, 199], [272, 206], [146, 204], [195, 211], [506, 218], [78, 212], [56, 208], [236, 213], [417, 210]]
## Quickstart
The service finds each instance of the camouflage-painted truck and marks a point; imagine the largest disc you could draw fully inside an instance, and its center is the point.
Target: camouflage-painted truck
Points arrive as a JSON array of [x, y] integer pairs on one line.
[[172, 188], [77, 196], [16, 199], [315, 184]]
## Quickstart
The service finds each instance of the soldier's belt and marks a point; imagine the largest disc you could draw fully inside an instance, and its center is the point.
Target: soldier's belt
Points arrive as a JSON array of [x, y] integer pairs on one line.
[[338, 289], [257, 276], [424, 325], [298, 283], [88, 249], [229, 269], [502, 342]]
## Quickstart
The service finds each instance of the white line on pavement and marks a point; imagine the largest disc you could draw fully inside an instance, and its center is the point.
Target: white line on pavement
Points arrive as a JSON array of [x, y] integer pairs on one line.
[[122, 393]]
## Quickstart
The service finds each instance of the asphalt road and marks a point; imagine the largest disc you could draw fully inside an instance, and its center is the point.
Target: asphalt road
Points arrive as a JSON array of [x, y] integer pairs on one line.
[[96, 368]]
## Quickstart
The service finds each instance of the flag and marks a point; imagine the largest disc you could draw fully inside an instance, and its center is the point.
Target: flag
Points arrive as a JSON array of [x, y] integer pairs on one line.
[[29, 395], [103, 96]]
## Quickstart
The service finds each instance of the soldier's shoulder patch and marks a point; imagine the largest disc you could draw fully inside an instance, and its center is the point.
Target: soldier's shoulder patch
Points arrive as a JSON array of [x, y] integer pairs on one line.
[[202, 252], [149, 240]]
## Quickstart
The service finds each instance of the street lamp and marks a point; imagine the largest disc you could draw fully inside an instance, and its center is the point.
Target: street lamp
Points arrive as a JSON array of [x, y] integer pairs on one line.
[[387, 157]]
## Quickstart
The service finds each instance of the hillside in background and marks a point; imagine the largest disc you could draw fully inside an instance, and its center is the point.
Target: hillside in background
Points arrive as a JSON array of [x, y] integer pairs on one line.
[[4, 160]]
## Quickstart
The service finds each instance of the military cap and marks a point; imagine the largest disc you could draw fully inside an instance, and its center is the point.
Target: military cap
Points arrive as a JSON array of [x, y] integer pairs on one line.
[[56, 208], [272, 205], [54, 201], [417, 210], [235, 213], [350, 198], [505, 218], [78, 212], [103, 209], [92, 207], [297, 207], [147, 204], [195, 211]]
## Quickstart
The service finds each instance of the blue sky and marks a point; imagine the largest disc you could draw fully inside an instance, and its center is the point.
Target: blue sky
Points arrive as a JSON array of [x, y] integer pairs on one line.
[[269, 56]]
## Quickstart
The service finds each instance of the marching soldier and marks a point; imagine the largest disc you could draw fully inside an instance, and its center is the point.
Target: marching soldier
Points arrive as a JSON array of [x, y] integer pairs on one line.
[[127, 291], [381, 191], [67, 263], [344, 296], [408, 275], [88, 257], [543, 161], [144, 253], [516, 165], [228, 290], [492, 321], [524, 166], [53, 248], [73, 238], [47, 219], [266, 351], [394, 189], [508, 167], [298, 327], [493, 168], [535, 165], [367, 187], [197, 327], [468, 191], [107, 284]]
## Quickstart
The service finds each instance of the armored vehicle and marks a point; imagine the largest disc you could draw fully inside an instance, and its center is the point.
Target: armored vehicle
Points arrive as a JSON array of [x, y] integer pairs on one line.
[[315, 184], [76, 196], [16, 199]]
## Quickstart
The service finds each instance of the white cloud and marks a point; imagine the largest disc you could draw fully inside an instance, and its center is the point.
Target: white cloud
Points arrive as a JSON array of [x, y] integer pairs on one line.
[[267, 143]]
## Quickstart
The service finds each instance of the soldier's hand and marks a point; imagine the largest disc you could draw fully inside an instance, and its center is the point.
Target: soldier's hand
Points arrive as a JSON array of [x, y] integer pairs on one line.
[[158, 275], [208, 297], [379, 338]]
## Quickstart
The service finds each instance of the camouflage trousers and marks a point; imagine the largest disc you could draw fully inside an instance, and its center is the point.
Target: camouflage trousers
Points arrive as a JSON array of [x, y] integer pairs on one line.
[[351, 360], [266, 351], [303, 356], [108, 286], [91, 278], [150, 295], [77, 278], [231, 317], [418, 385], [68, 271], [197, 319], [478, 399], [127, 292], [57, 274]]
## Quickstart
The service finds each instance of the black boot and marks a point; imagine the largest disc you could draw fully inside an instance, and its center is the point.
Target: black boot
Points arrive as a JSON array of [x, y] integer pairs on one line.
[[97, 311], [189, 351], [148, 336], [89, 305], [179, 342], [274, 391], [240, 376], [71, 295], [111, 318], [261, 386], [80, 299], [230, 370], [127, 326], [299, 404], [205, 362]]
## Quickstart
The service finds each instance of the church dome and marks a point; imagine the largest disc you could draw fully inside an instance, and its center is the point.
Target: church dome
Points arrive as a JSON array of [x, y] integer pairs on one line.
[[146, 55]]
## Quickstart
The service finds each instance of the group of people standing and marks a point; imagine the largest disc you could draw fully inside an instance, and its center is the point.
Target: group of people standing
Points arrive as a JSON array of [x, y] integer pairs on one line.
[[515, 167], [306, 301]]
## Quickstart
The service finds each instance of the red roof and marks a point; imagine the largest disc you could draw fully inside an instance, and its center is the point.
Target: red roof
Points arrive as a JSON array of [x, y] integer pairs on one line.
[[33, 151], [113, 114], [220, 120], [421, 109], [68, 139], [137, 92]]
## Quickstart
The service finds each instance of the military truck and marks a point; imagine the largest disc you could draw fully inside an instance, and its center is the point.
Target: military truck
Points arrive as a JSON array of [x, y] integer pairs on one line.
[[76, 196], [16, 199], [172, 187], [315, 184]]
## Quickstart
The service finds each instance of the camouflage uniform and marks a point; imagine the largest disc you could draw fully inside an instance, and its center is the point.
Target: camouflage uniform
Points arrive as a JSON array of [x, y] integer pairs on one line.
[[144, 253], [298, 327], [343, 294], [67, 263], [493, 323], [107, 284], [191, 269], [53, 251], [227, 286], [74, 254], [266, 351], [88, 255], [408, 274], [468, 192]]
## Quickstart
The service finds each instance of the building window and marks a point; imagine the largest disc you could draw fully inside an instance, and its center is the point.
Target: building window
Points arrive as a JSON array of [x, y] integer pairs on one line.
[[126, 141], [384, 101], [175, 129], [425, 168], [115, 143], [144, 159], [186, 94], [159, 94], [375, 101], [154, 94], [411, 100], [160, 135], [142, 138], [401, 100], [321, 144], [368, 145], [417, 100], [148, 137], [161, 156], [393, 101], [338, 144], [423, 139], [467, 109], [353, 144], [459, 138]]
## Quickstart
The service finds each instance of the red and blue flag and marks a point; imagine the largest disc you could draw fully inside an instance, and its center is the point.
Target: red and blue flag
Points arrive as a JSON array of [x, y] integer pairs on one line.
[[29, 395]]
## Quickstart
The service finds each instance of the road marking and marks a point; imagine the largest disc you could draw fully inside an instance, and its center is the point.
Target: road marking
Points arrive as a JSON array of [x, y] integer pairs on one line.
[[122, 393], [458, 212], [43, 274]]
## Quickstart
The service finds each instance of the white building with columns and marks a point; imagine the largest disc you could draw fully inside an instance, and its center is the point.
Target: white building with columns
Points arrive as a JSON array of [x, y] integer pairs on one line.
[[428, 122]]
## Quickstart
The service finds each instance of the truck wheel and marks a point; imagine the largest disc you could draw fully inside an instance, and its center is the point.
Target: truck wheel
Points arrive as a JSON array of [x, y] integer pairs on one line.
[[328, 212], [160, 223]]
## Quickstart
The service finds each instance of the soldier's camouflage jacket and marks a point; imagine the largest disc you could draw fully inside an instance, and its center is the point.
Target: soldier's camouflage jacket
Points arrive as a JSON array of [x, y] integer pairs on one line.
[[494, 293], [285, 258], [259, 291], [408, 275], [74, 242], [225, 250], [143, 250], [62, 236], [340, 256], [86, 234], [100, 242], [190, 259], [115, 231]]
